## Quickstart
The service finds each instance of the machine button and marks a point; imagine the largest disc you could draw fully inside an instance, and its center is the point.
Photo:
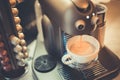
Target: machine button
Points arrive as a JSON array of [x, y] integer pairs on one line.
[[80, 25]]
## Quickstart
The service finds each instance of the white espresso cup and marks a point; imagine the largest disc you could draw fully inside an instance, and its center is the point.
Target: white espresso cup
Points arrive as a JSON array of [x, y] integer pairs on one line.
[[82, 51]]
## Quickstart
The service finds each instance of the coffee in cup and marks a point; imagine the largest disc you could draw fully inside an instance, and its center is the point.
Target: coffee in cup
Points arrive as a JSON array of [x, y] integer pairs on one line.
[[81, 49]]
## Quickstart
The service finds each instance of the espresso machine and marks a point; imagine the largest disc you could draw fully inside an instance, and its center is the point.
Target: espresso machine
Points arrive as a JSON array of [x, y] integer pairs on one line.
[[61, 20], [57, 22]]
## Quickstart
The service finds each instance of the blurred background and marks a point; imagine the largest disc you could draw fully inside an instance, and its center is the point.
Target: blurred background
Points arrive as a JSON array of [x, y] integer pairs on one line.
[[112, 35]]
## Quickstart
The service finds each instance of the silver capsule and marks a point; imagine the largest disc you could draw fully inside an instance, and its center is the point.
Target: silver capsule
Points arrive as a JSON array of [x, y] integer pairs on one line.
[[21, 35], [26, 55], [21, 62], [14, 40], [17, 48], [24, 49], [22, 42], [19, 56]]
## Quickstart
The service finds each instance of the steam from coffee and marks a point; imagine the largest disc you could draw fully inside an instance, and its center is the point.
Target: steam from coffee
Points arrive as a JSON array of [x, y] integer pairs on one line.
[[100, 1]]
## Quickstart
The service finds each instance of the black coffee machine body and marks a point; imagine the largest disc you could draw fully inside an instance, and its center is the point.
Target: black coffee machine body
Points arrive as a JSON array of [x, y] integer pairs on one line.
[[63, 19]]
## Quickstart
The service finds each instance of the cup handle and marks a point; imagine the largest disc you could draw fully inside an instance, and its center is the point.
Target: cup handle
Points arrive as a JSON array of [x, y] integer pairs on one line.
[[67, 59]]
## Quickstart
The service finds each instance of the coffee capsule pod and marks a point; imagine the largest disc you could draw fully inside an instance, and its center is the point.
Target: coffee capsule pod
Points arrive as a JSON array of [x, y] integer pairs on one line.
[[20, 56], [26, 55], [19, 28], [5, 60], [7, 67], [15, 11], [20, 1], [3, 53], [21, 35], [24, 49], [21, 62], [17, 20], [3, 64], [14, 40], [17, 48], [12, 3], [1, 45], [22, 42]]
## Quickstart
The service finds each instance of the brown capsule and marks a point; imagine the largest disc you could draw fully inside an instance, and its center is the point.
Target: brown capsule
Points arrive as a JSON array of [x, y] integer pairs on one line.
[[19, 28], [1, 45], [17, 48], [22, 42], [20, 1], [15, 11], [14, 40], [17, 20], [12, 3], [7, 67], [3, 53], [5, 60], [21, 35]]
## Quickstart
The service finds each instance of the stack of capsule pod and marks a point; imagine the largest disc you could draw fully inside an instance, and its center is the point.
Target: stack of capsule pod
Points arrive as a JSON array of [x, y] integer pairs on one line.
[[5, 61], [13, 49], [18, 41]]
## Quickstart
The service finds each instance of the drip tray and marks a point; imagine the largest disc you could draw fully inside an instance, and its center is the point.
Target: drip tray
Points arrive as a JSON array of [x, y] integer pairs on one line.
[[90, 74], [95, 71], [106, 68]]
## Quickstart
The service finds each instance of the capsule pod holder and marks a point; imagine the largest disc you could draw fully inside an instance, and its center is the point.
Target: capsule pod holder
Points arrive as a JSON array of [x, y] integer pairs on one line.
[[13, 49]]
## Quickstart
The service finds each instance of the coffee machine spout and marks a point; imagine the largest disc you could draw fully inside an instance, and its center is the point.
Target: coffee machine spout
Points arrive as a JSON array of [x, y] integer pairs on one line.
[[83, 4]]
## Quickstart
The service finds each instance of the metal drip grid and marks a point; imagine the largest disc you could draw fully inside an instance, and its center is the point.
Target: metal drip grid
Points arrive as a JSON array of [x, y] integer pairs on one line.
[[88, 74]]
